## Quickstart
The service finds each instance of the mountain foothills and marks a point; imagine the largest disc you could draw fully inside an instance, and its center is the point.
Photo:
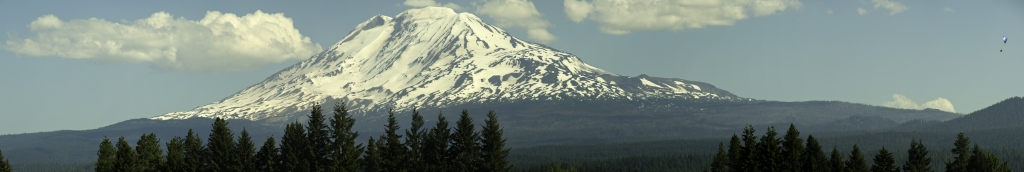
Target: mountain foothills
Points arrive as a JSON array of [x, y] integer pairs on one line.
[[438, 62]]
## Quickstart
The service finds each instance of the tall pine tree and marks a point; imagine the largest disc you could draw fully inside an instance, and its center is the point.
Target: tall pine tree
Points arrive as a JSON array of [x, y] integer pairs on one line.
[[856, 163], [414, 141], [127, 159], [344, 150], [464, 148], [246, 152], [792, 147], [194, 152], [220, 148], [769, 152], [983, 161], [493, 151], [884, 162], [719, 163], [107, 156], [917, 158], [294, 149], [813, 158], [175, 155], [5, 164], [150, 156], [266, 157], [734, 153], [392, 151], [318, 140], [748, 156], [835, 162], [961, 153], [436, 147], [372, 159]]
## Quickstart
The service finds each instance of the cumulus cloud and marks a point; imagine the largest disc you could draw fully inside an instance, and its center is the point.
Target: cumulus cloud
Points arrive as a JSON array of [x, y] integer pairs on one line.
[[624, 16], [218, 42], [893, 7], [431, 3], [903, 102], [861, 11], [518, 13]]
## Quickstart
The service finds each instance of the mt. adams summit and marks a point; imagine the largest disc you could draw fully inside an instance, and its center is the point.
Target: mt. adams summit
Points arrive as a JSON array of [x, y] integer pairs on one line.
[[434, 57]]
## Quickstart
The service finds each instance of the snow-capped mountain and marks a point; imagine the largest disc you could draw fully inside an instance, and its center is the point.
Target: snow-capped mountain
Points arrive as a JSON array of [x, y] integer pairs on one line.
[[434, 57]]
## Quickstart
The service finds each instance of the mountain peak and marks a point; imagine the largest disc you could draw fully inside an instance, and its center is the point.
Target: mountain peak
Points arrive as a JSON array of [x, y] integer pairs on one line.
[[434, 57]]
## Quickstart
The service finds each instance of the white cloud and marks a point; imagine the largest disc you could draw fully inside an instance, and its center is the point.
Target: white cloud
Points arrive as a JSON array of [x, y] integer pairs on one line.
[[518, 13], [829, 12], [893, 7], [903, 102], [624, 16], [218, 42], [431, 3], [947, 9], [862, 11]]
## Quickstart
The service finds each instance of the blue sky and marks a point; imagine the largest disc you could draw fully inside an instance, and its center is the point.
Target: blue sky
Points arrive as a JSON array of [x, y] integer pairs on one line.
[[862, 51]]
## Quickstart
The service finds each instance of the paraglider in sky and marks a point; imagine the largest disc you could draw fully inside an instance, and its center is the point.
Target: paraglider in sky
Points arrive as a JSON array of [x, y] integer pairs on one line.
[[1004, 44]]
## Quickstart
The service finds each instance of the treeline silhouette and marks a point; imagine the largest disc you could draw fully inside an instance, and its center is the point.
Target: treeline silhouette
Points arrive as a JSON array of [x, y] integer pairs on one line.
[[320, 146], [790, 153]]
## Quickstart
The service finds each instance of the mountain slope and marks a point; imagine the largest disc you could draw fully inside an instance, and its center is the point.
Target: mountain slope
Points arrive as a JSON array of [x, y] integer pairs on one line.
[[1004, 114], [434, 57]]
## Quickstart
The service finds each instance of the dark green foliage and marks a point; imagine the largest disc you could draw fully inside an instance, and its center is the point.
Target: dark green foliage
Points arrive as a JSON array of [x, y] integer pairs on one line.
[[344, 150], [150, 156], [414, 141], [126, 157], [265, 160], [435, 147], [962, 153], [220, 153], [246, 152], [748, 154], [719, 164], [175, 160], [856, 162], [835, 161], [193, 152], [372, 159], [318, 140], [392, 150], [769, 153], [813, 158], [917, 158], [792, 148], [5, 164], [734, 153], [982, 161], [104, 163], [493, 151], [464, 148], [294, 149], [884, 162]]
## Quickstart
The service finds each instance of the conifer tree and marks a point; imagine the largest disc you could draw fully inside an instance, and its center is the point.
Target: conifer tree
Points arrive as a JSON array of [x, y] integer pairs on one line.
[[748, 155], [294, 149], [266, 157], [464, 148], [318, 140], [150, 156], [372, 159], [392, 151], [769, 152], [835, 162], [917, 158], [718, 164], [246, 152], [884, 162], [107, 156], [792, 148], [493, 151], [734, 153], [127, 159], [175, 155], [414, 141], [436, 147], [193, 152], [961, 153], [856, 163], [5, 164], [983, 161], [813, 158], [344, 151], [220, 153]]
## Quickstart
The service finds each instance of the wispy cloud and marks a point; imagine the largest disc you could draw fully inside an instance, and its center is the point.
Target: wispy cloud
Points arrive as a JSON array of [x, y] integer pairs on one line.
[[829, 12], [903, 102], [431, 3], [218, 42], [893, 7], [624, 16], [861, 11], [947, 9], [518, 13]]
